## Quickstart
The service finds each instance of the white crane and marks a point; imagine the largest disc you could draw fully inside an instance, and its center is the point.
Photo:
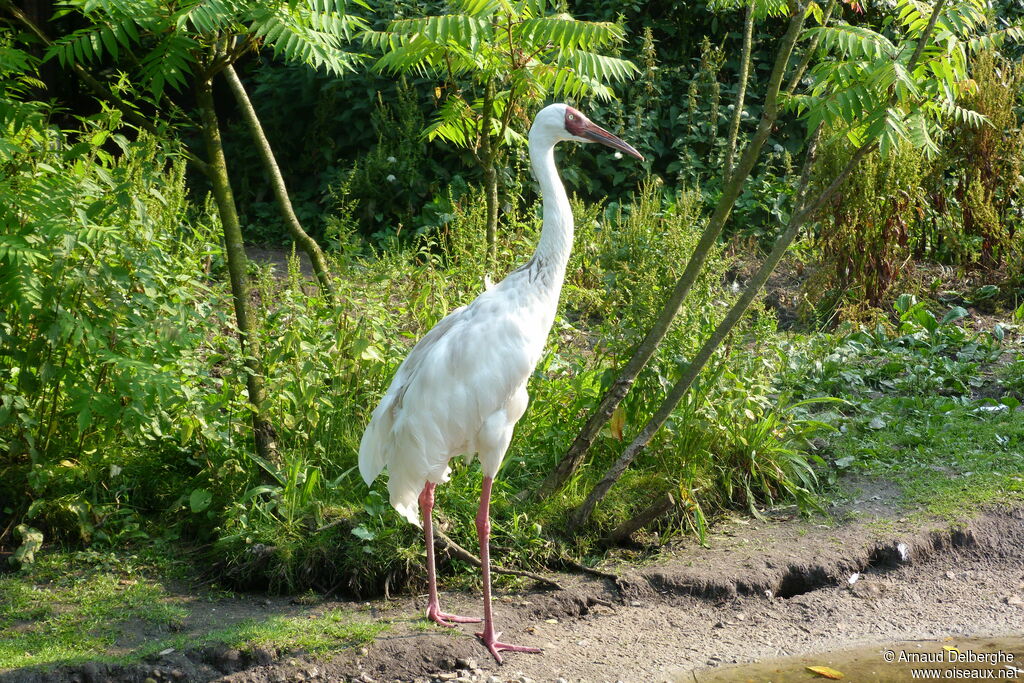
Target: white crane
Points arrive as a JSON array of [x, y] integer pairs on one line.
[[462, 388]]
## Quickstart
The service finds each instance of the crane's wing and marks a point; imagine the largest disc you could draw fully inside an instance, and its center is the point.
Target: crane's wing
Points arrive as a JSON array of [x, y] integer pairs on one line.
[[373, 447], [462, 372]]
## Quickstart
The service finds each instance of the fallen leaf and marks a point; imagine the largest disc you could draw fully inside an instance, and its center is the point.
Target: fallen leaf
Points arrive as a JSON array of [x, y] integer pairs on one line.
[[826, 672], [617, 422]]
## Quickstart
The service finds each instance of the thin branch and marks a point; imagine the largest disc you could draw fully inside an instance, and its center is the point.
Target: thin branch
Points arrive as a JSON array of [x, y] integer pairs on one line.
[[580, 516], [798, 73], [466, 556]]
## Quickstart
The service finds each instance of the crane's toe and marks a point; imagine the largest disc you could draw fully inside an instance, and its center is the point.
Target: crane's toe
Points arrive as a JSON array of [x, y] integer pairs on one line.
[[497, 647], [449, 620]]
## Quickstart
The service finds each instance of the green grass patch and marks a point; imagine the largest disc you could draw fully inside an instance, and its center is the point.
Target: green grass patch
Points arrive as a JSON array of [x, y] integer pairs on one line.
[[315, 634], [75, 607], [949, 461]]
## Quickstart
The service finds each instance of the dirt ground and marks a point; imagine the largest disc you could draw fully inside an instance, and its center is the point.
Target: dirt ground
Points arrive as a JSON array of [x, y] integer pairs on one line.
[[868, 574]]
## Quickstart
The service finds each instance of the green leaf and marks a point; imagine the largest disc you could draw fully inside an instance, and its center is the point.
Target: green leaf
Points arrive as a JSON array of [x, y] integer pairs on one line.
[[954, 314], [200, 500]]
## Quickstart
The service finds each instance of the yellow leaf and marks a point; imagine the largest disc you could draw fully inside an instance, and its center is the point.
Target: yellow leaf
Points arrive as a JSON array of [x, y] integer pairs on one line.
[[826, 672], [437, 93], [617, 422]]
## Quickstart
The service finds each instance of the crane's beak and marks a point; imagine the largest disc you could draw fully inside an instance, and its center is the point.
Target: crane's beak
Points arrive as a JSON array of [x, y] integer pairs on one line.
[[595, 133]]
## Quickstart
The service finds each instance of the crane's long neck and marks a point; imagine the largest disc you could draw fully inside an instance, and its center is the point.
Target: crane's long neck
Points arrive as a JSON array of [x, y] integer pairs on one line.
[[552, 252]]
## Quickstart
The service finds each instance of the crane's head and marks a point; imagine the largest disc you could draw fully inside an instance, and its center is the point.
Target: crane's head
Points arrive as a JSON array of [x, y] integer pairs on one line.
[[560, 122]]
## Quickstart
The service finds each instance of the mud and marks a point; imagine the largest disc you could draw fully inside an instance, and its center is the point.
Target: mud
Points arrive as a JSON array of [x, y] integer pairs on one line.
[[762, 590]]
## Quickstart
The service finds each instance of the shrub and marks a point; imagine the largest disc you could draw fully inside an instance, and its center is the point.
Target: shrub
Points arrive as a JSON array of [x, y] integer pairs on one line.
[[105, 310]]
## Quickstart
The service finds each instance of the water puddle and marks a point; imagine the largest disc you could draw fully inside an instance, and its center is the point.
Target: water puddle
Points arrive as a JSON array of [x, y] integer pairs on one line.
[[992, 659]]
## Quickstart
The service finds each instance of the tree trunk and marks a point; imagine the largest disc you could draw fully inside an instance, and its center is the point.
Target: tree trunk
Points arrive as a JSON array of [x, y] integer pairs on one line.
[[266, 447], [300, 236], [574, 457], [800, 216], [737, 112], [621, 533], [489, 155]]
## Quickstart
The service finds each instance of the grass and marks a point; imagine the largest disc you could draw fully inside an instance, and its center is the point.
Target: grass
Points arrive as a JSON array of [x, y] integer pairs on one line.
[[76, 607], [931, 405], [948, 463]]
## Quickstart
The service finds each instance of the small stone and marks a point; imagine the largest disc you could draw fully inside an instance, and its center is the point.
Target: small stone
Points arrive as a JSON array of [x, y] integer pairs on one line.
[[1014, 600], [551, 621], [525, 679], [149, 680], [950, 575], [366, 678], [465, 663], [636, 603], [720, 624], [177, 674], [363, 652], [741, 616], [561, 680], [447, 676], [493, 679]]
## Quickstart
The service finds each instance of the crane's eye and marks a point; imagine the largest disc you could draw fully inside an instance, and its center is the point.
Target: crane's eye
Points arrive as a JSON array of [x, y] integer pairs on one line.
[[572, 117]]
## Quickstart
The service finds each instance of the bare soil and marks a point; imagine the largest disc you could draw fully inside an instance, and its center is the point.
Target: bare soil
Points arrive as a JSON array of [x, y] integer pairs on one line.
[[760, 590]]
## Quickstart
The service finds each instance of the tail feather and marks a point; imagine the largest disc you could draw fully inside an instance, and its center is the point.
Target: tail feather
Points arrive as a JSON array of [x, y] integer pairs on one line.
[[372, 448]]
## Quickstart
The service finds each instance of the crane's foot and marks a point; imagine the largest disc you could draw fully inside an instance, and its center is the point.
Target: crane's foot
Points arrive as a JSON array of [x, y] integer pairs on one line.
[[449, 620], [496, 647]]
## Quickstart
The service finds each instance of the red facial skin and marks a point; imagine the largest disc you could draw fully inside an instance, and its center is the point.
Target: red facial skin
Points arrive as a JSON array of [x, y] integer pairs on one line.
[[575, 122], [580, 126]]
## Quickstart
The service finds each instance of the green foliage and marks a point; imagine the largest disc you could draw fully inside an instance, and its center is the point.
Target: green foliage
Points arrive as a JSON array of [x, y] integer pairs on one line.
[[922, 407], [104, 316], [168, 41], [522, 50], [868, 235], [988, 161], [870, 92]]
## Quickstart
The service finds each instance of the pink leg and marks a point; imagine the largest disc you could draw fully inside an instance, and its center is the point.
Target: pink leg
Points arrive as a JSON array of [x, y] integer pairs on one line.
[[483, 530], [434, 612]]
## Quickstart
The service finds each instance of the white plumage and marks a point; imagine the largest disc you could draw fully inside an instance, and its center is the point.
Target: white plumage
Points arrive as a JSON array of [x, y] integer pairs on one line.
[[462, 388]]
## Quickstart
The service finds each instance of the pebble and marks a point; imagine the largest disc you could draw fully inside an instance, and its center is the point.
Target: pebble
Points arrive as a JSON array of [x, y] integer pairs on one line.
[[466, 663], [561, 680], [493, 679], [950, 575], [636, 603], [1014, 600], [363, 652]]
